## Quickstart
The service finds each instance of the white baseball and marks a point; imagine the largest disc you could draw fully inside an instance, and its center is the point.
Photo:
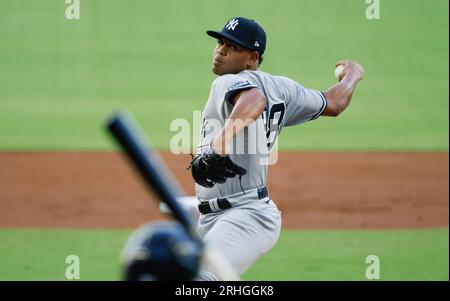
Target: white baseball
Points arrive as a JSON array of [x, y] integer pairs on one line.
[[338, 71]]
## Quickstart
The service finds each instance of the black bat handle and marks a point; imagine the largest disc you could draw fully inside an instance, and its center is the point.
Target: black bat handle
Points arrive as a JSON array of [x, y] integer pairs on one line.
[[150, 166]]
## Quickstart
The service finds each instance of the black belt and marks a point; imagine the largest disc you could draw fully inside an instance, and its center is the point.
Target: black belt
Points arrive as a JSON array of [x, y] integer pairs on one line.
[[223, 203]]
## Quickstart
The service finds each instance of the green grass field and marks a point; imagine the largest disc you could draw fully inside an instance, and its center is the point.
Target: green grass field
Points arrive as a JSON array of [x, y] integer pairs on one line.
[[36, 254], [60, 78]]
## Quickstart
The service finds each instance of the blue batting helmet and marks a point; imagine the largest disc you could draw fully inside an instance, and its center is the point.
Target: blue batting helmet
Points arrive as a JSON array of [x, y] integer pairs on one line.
[[161, 251]]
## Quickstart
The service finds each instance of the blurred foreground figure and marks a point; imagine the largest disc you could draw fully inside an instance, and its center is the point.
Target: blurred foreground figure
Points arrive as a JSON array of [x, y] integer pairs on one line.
[[161, 250]]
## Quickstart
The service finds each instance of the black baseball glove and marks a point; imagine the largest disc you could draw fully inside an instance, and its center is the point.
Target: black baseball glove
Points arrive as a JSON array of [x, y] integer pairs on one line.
[[210, 168]]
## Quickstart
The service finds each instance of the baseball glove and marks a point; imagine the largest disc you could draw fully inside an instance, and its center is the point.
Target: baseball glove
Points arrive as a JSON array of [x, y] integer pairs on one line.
[[210, 168]]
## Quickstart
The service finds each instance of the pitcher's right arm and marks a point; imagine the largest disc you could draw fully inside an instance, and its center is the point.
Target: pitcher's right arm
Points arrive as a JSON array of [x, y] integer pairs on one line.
[[339, 96]]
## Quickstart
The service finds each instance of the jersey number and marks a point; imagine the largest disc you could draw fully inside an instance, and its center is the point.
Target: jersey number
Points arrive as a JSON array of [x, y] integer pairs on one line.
[[273, 121]]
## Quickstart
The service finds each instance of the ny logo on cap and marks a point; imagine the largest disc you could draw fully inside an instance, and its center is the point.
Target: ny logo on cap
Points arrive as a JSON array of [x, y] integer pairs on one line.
[[232, 24], [256, 44]]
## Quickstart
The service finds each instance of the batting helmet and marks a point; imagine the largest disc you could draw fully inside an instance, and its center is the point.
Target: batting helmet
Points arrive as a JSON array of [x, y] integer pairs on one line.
[[161, 251]]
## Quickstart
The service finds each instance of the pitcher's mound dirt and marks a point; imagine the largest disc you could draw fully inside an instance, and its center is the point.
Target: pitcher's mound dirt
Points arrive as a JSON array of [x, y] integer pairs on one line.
[[313, 190]]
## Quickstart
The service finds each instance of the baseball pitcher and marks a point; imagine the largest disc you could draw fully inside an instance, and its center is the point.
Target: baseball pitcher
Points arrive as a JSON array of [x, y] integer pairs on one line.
[[244, 114]]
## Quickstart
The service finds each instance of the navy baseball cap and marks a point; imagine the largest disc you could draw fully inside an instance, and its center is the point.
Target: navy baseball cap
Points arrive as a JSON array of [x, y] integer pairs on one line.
[[243, 31]]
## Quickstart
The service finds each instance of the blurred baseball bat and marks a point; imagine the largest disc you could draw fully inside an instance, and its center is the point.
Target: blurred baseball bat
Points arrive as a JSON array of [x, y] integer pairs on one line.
[[155, 173]]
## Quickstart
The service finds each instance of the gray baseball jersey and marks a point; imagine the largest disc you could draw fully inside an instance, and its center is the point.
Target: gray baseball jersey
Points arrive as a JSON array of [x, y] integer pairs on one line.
[[251, 227], [288, 103]]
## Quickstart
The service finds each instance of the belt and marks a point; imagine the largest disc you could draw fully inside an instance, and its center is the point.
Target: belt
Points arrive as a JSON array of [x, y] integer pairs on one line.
[[219, 204]]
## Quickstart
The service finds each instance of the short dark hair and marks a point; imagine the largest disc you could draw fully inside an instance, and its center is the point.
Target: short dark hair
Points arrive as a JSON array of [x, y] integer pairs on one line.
[[260, 61]]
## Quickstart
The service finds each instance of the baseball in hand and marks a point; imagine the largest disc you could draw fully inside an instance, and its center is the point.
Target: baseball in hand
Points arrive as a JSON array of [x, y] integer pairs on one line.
[[338, 71]]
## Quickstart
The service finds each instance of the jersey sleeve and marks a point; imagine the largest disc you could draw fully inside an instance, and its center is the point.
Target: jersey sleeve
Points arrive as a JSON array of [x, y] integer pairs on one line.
[[227, 86], [304, 104]]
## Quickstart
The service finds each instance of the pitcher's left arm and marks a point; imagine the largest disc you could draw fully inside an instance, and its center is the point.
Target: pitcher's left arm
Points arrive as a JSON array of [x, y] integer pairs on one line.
[[248, 106]]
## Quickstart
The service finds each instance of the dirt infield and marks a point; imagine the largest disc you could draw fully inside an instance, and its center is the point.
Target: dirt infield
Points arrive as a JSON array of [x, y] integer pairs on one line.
[[313, 190]]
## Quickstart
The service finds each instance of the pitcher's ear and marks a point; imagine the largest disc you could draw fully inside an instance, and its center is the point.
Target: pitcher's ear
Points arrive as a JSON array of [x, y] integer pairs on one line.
[[254, 57]]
